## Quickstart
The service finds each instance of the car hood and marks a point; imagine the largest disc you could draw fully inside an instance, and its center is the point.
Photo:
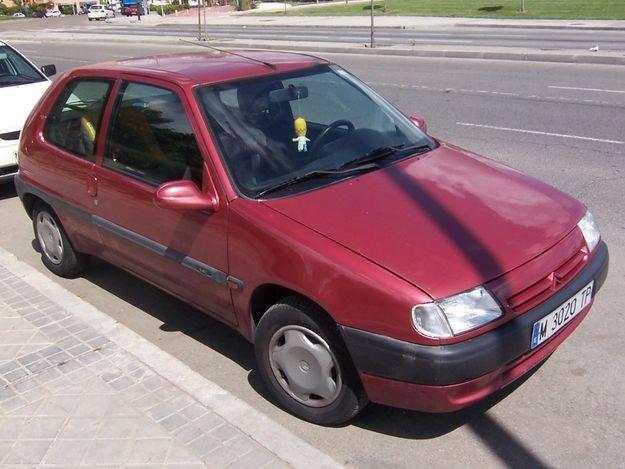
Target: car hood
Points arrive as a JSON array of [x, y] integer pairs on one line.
[[445, 222], [17, 102]]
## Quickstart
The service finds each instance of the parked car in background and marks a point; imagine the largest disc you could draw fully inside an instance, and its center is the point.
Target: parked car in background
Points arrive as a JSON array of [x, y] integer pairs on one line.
[[21, 86], [54, 13], [99, 12], [365, 259], [19, 15], [130, 10]]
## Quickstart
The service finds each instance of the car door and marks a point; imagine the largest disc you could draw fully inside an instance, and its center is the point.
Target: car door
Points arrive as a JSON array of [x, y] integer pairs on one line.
[[150, 141], [66, 158]]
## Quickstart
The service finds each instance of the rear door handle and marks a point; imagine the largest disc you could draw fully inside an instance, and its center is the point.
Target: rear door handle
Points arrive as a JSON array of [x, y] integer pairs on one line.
[[92, 186]]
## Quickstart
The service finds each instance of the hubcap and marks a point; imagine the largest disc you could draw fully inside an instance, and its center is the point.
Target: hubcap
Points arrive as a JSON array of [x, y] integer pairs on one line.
[[304, 365], [49, 237]]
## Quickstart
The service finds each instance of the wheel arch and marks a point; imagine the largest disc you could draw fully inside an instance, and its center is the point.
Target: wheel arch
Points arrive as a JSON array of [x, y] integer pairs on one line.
[[268, 294], [29, 200]]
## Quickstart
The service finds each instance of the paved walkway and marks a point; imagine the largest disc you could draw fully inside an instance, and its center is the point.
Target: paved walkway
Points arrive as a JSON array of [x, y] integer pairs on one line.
[[79, 389]]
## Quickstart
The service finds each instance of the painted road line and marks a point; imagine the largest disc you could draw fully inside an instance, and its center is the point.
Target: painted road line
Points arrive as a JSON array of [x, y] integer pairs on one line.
[[586, 89], [538, 132]]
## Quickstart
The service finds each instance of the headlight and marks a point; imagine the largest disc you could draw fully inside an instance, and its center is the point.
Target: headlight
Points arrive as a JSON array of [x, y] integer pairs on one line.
[[456, 314], [590, 230]]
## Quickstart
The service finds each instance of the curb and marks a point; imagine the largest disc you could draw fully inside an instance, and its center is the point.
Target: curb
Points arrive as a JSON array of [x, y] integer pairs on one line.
[[538, 26], [268, 22], [247, 419], [526, 56]]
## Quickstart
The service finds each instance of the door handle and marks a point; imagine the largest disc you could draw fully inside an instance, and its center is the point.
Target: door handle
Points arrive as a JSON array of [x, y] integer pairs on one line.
[[92, 186]]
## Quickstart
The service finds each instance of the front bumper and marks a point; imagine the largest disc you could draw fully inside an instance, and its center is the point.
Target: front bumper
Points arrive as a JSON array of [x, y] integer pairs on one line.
[[8, 160], [448, 377]]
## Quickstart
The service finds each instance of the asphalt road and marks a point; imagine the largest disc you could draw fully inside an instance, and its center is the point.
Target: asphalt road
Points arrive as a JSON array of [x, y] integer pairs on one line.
[[559, 122], [467, 35]]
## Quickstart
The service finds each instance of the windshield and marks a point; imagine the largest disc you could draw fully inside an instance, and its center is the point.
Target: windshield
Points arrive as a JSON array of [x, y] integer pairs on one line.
[[278, 130], [14, 70]]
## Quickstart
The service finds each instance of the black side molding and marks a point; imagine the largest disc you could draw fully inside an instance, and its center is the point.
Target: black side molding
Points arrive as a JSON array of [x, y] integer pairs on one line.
[[463, 361], [138, 239]]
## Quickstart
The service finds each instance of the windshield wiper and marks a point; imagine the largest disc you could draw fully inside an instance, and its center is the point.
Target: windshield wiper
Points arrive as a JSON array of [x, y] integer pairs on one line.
[[318, 173], [383, 152]]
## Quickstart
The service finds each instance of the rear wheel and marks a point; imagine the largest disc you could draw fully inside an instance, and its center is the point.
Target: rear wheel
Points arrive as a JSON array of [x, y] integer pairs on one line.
[[303, 362], [57, 253]]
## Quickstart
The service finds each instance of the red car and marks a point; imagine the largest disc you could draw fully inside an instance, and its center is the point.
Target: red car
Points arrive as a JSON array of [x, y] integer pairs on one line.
[[130, 10], [365, 259]]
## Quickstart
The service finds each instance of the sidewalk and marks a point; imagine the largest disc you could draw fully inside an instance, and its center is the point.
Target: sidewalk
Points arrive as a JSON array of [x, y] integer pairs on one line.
[[408, 22], [79, 389]]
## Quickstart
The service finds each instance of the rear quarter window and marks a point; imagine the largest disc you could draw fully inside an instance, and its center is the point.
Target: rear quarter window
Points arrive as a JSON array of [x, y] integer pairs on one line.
[[74, 122]]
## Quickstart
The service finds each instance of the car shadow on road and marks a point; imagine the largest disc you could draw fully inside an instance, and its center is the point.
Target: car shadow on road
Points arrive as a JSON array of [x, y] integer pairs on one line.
[[7, 191], [414, 425], [175, 315]]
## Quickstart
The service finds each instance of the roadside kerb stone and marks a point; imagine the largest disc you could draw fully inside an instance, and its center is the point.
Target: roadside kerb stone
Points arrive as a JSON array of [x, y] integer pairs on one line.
[[101, 394]]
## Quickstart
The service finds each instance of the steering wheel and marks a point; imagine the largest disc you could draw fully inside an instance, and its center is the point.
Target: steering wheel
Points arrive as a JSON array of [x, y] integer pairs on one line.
[[333, 126]]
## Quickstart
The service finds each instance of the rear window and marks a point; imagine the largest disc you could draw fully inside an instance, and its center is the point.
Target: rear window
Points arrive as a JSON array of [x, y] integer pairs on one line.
[[74, 122]]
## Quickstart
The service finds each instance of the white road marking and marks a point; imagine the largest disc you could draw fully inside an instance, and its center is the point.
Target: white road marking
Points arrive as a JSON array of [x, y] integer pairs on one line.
[[538, 132], [497, 93], [53, 58], [586, 89], [455, 41]]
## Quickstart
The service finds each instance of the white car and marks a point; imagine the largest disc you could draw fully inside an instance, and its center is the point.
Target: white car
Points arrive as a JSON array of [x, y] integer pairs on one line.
[[99, 12], [21, 86], [18, 15], [53, 13]]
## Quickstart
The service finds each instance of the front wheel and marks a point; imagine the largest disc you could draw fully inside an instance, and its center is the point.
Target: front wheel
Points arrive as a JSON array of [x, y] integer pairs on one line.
[[57, 253], [305, 365]]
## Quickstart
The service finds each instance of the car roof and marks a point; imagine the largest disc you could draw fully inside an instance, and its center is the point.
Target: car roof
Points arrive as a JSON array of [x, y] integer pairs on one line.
[[210, 66]]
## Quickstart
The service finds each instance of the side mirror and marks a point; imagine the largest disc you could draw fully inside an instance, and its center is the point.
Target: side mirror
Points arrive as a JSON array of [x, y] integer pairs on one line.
[[184, 195], [419, 122], [48, 70]]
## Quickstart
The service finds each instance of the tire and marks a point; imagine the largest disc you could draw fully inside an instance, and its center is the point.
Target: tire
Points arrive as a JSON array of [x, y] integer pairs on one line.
[[89, 19], [57, 252], [311, 334]]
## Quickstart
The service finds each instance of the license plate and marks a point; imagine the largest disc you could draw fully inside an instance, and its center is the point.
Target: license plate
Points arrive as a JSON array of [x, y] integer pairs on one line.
[[560, 317]]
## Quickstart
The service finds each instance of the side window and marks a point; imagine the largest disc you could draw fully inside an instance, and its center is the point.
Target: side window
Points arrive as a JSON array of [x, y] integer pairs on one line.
[[75, 119], [150, 137]]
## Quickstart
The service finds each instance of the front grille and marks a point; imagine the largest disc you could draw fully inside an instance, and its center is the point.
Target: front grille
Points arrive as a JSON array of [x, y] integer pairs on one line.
[[10, 135], [547, 286]]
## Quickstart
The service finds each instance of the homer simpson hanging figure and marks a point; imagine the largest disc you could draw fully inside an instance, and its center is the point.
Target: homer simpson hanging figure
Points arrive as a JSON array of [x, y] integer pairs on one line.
[[300, 130]]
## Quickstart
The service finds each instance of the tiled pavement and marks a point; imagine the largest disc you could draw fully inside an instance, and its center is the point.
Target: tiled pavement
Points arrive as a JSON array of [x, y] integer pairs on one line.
[[70, 396]]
